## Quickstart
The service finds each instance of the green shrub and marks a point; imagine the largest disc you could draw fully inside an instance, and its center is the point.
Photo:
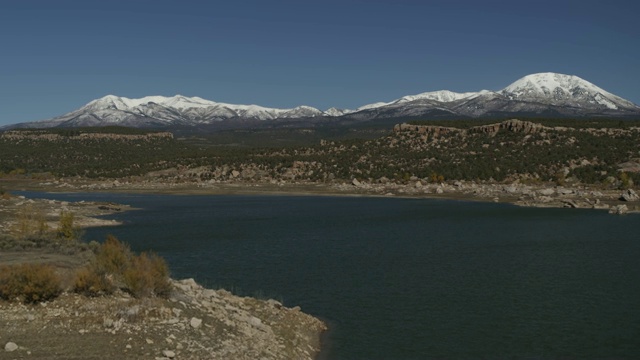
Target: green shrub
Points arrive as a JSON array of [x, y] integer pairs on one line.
[[30, 283], [66, 228]]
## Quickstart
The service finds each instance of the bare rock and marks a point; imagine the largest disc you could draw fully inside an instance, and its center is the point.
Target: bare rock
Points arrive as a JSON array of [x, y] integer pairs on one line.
[[570, 203], [168, 354], [619, 210], [355, 182], [195, 322], [10, 346], [563, 191], [546, 192], [629, 195]]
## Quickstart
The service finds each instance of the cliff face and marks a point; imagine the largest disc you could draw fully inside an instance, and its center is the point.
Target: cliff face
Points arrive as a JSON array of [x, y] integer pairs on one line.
[[514, 125]]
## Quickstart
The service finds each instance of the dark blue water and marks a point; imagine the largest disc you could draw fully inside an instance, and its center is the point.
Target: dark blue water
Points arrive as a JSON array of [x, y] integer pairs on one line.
[[409, 278]]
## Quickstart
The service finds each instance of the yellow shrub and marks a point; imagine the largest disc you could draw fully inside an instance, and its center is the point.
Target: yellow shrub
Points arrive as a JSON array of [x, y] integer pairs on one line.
[[30, 283], [91, 282], [148, 275], [113, 256], [116, 266]]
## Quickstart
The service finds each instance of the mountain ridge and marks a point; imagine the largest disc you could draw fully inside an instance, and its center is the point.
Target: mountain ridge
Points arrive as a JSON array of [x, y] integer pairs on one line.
[[540, 93]]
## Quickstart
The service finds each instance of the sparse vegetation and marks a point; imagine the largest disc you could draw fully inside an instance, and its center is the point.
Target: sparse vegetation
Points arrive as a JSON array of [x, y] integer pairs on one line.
[[30, 223], [29, 283], [67, 231], [115, 266], [147, 275], [589, 150]]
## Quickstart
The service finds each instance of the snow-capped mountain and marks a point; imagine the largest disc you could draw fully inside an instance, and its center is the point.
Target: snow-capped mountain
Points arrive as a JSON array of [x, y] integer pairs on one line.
[[543, 94], [563, 90]]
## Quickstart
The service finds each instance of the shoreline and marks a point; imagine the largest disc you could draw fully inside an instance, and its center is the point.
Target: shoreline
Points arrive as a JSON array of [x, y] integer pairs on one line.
[[193, 321], [516, 194], [525, 195]]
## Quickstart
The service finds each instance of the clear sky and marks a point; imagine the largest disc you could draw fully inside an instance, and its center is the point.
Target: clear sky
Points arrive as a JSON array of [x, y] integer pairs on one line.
[[58, 55]]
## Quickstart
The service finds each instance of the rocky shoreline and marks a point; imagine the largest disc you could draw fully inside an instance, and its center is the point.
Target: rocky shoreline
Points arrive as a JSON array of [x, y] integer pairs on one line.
[[615, 201], [193, 323]]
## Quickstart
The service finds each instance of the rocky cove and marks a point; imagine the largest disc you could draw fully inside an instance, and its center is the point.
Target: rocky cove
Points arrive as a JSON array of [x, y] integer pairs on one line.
[[192, 323]]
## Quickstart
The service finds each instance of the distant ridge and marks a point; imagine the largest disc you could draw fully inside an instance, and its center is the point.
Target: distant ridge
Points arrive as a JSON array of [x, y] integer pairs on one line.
[[542, 94]]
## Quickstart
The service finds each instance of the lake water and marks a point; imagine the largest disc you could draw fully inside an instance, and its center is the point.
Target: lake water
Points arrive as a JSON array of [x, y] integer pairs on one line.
[[410, 278]]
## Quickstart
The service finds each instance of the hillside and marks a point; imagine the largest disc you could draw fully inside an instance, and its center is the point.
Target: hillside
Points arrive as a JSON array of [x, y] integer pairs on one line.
[[507, 151]]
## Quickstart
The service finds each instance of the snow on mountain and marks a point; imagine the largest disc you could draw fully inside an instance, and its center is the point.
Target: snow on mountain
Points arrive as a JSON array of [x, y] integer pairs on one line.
[[560, 89], [441, 96], [542, 93], [337, 112]]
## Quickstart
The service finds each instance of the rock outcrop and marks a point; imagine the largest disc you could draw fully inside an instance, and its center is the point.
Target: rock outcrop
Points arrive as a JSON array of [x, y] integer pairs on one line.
[[513, 125], [629, 195]]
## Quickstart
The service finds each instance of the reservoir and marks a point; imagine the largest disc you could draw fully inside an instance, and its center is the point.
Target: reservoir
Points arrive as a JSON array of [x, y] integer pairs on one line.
[[408, 278]]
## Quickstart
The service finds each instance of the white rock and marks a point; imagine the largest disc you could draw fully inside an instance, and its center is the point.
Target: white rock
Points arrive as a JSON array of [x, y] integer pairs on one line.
[[546, 192], [629, 195], [195, 322], [10, 346], [619, 210], [168, 353], [255, 321]]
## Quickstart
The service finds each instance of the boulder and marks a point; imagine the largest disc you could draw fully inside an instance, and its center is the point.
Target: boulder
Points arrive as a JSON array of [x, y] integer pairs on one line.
[[10, 346], [355, 182], [629, 195], [169, 354], [563, 191], [619, 210], [195, 322]]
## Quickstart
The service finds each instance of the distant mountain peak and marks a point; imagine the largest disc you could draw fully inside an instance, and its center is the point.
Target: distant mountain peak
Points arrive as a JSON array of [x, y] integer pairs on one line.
[[563, 89], [535, 94]]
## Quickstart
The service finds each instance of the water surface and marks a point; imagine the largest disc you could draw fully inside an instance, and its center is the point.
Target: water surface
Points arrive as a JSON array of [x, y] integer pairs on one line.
[[410, 278]]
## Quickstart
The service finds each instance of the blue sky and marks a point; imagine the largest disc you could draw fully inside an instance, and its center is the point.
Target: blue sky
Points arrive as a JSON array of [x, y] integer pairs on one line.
[[58, 55]]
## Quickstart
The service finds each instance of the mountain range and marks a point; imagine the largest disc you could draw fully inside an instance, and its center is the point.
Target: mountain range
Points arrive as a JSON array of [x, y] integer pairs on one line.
[[541, 95]]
